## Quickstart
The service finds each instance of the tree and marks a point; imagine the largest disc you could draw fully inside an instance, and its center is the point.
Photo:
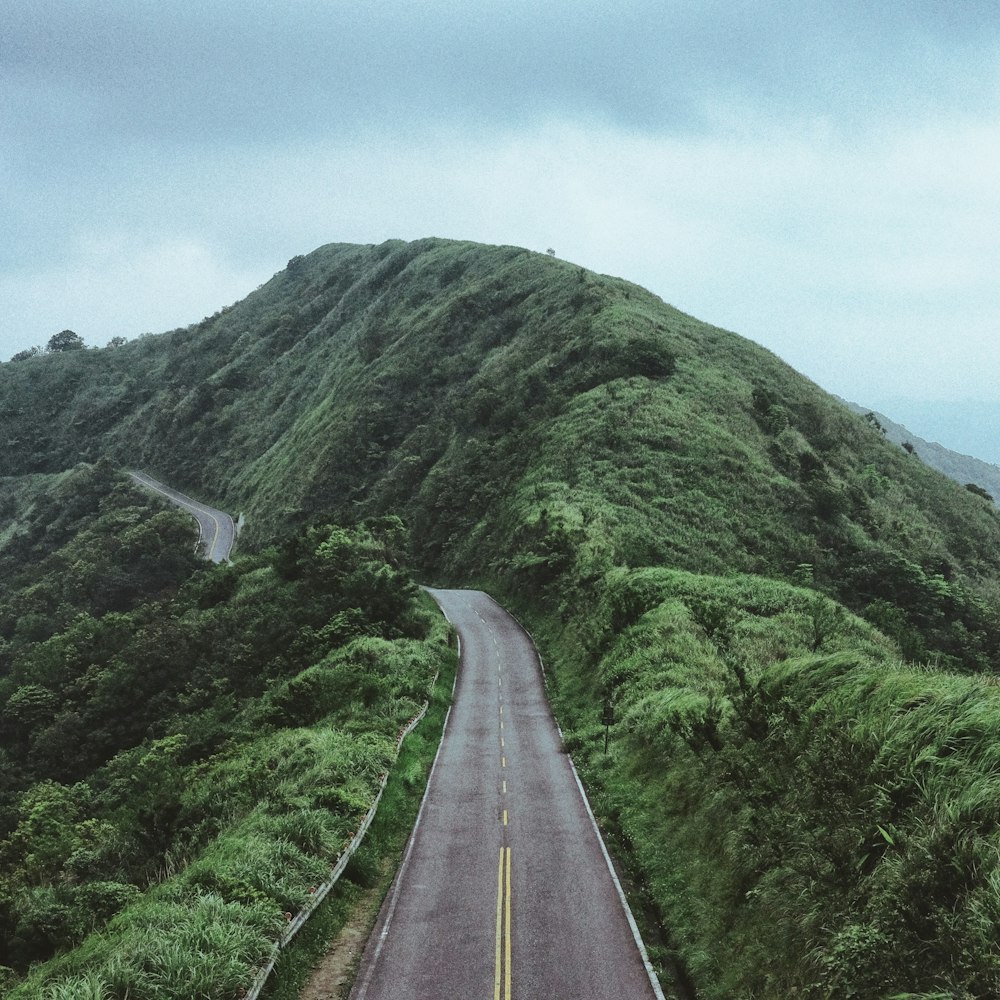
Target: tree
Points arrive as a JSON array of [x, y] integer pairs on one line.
[[28, 708], [30, 352], [874, 423], [65, 340], [47, 832], [979, 491], [117, 341]]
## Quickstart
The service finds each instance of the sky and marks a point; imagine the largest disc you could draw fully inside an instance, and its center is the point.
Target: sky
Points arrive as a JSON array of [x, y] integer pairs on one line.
[[822, 177]]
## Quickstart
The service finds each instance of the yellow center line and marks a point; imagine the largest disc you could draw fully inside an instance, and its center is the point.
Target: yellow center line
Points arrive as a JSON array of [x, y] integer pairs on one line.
[[501, 743], [503, 954], [215, 537], [503, 761], [505, 787], [505, 817], [496, 978], [507, 977]]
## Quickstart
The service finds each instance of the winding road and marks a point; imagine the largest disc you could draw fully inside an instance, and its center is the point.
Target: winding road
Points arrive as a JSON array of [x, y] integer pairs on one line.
[[217, 531], [506, 890]]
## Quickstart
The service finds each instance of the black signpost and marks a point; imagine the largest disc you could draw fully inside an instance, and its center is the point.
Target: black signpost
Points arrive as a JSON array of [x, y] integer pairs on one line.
[[607, 719]]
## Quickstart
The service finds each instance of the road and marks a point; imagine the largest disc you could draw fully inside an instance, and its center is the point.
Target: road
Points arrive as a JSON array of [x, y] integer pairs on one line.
[[217, 531], [505, 890]]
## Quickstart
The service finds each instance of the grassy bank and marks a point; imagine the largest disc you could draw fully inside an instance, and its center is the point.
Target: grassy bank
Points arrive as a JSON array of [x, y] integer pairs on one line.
[[378, 857], [202, 931], [186, 748], [807, 814]]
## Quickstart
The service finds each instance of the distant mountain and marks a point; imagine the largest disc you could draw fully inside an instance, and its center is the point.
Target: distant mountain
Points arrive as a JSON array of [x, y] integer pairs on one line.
[[965, 425], [963, 469]]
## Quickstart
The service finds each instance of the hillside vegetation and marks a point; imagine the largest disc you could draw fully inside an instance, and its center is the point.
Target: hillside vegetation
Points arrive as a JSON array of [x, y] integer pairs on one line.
[[977, 476], [522, 415], [794, 620], [185, 749]]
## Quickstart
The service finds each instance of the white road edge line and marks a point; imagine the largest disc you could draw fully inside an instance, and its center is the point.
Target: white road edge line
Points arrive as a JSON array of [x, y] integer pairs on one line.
[[650, 971], [640, 944], [370, 971]]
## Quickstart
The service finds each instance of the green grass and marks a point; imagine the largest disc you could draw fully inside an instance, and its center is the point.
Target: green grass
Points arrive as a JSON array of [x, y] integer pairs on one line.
[[380, 852], [804, 813], [759, 581], [201, 932], [178, 772]]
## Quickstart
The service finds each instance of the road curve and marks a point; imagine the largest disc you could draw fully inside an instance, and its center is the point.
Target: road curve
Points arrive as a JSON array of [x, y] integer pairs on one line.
[[505, 890], [217, 531]]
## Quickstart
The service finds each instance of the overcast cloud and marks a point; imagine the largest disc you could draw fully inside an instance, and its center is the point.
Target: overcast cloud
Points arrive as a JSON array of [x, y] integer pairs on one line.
[[820, 177]]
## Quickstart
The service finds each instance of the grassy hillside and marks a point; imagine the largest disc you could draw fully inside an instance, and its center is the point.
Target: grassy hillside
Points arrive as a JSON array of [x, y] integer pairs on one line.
[[796, 622], [970, 472], [522, 415], [185, 748], [802, 812]]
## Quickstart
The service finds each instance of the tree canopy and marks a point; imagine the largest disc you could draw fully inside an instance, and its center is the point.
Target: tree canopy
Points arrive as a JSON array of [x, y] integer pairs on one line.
[[65, 340]]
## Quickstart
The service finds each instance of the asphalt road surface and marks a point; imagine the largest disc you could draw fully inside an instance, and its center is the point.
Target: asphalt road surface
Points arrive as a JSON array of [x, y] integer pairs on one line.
[[218, 533], [505, 890]]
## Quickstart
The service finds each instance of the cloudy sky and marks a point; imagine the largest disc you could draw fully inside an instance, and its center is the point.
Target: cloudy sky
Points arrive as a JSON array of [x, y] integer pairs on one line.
[[822, 177]]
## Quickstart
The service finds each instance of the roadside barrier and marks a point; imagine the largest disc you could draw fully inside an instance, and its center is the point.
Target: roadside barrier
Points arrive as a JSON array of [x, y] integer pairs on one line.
[[320, 893]]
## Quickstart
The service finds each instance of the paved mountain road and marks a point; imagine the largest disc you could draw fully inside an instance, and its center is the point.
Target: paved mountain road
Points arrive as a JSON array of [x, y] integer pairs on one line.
[[505, 890], [218, 533]]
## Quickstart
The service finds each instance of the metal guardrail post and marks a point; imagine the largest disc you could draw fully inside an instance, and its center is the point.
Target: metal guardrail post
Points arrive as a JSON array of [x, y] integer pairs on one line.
[[321, 892]]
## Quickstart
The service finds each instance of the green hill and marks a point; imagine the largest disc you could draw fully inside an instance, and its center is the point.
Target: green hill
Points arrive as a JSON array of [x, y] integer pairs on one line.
[[522, 414], [757, 581]]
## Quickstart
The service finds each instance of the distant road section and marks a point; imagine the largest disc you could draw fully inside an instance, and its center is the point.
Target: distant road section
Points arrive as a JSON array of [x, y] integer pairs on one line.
[[218, 533], [505, 891]]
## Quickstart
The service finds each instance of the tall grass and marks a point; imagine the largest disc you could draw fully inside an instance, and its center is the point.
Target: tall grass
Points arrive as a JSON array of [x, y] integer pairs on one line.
[[276, 813], [808, 814]]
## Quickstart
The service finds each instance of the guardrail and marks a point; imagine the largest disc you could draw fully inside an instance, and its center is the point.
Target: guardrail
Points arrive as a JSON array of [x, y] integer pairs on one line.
[[322, 891]]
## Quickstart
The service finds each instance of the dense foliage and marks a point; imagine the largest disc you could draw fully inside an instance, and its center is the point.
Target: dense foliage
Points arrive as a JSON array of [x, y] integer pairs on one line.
[[807, 814], [522, 414], [186, 745], [795, 621]]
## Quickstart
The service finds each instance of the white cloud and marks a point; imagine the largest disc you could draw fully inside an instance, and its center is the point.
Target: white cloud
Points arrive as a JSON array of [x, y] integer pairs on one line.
[[120, 287], [869, 266]]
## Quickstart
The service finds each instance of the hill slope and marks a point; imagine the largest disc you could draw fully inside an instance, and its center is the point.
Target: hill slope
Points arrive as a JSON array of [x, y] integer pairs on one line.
[[688, 523], [520, 412], [963, 469]]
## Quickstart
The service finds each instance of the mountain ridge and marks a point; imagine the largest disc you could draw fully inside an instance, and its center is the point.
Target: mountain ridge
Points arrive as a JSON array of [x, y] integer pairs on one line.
[[711, 550], [955, 465]]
